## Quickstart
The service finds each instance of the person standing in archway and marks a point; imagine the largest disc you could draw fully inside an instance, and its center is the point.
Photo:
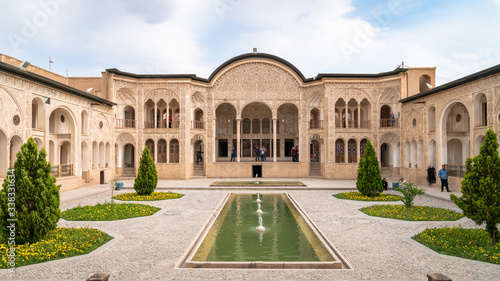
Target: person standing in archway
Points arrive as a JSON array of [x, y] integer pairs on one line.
[[443, 175], [233, 154]]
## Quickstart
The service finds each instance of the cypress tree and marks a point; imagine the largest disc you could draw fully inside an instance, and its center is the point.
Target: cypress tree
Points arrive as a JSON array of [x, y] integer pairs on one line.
[[369, 181], [36, 204], [147, 177], [480, 200]]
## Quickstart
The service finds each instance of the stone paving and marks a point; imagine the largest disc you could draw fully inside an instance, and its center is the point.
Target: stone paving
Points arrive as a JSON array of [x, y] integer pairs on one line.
[[147, 248]]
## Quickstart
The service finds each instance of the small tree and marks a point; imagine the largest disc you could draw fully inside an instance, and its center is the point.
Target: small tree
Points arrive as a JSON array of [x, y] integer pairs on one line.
[[36, 204], [480, 200], [410, 191], [369, 181], [147, 177]]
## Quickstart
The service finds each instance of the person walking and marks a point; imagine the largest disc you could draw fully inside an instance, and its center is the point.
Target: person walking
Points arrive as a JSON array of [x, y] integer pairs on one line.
[[443, 175], [257, 153], [233, 154]]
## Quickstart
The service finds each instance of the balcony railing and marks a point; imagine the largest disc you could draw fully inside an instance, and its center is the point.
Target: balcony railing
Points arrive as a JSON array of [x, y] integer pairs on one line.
[[125, 123], [389, 122], [316, 124], [353, 124], [63, 170], [197, 125], [160, 124], [456, 170]]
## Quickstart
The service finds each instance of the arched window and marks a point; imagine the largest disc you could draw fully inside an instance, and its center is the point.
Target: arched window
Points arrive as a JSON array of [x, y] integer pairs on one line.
[[246, 126], [424, 83], [362, 146], [151, 145], [174, 151], [339, 151], [255, 126], [265, 126], [162, 151], [351, 151]]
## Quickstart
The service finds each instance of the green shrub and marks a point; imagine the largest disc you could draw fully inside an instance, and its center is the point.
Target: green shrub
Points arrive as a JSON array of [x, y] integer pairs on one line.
[[369, 181], [410, 191], [36, 204], [147, 177], [480, 200]]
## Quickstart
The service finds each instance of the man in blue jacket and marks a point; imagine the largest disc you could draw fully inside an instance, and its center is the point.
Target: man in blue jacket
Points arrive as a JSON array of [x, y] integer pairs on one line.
[[443, 174]]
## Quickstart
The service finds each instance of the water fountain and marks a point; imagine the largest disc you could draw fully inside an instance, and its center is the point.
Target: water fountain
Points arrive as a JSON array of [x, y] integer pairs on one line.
[[260, 228]]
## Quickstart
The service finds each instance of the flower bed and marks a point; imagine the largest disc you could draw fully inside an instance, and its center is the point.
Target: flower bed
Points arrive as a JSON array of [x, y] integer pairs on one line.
[[359, 197], [473, 244], [108, 212], [415, 213], [59, 243], [153, 197]]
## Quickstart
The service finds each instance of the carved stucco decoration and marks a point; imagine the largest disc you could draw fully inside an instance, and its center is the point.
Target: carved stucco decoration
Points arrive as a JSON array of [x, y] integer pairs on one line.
[[125, 96], [10, 109], [197, 100], [257, 81], [352, 93], [316, 137], [389, 96], [389, 138], [316, 100], [125, 138], [156, 95]]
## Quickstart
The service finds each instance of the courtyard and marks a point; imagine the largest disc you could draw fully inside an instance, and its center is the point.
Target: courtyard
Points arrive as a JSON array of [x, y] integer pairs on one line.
[[148, 248]]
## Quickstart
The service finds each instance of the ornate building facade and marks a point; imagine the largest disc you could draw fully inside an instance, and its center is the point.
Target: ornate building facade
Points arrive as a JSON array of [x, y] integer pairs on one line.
[[96, 128]]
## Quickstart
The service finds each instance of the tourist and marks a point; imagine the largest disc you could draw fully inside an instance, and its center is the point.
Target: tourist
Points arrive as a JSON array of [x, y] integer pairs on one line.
[[257, 153], [385, 184], [294, 152], [443, 175], [198, 156], [431, 175], [263, 153], [233, 154], [391, 116]]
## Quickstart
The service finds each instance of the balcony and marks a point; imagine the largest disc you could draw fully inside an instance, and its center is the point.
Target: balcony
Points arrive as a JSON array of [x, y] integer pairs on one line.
[[199, 125], [316, 124], [365, 124], [387, 123], [161, 125], [124, 123]]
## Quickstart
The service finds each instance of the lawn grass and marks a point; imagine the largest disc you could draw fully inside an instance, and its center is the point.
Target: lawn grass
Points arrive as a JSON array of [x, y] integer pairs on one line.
[[152, 197], [257, 183], [59, 243], [359, 197], [108, 212], [473, 244], [415, 213]]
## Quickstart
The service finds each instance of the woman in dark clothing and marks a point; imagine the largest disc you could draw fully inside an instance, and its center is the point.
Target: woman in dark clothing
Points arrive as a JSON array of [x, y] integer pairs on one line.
[[431, 175]]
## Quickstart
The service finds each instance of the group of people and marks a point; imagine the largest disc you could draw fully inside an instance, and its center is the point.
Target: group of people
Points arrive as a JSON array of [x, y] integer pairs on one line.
[[431, 178], [260, 153]]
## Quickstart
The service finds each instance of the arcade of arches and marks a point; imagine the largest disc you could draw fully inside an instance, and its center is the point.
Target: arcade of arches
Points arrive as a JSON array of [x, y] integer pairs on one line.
[[218, 127]]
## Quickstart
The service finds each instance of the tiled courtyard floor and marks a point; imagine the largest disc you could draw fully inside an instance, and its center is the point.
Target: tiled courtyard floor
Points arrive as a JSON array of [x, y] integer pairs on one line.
[[148, 248]]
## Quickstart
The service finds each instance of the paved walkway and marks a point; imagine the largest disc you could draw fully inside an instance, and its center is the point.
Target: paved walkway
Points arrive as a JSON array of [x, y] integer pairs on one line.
[[204, 184], [147, 248]]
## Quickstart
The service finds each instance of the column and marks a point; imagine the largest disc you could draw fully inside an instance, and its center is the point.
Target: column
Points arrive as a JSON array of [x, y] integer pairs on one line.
[[156, 152], [168, 116], [346, 114], [168, 151], [238, 139], [359, 116], [156, 117], [275, 120], [120, 157]]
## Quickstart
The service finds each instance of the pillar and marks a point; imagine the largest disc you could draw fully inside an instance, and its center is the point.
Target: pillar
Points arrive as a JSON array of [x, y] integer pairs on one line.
[[238, 139], [156, 117], [359, 117], [275, 120], [346, 114]]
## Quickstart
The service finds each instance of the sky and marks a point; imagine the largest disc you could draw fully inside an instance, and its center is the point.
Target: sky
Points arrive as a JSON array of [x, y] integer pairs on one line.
[[85, 37]]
